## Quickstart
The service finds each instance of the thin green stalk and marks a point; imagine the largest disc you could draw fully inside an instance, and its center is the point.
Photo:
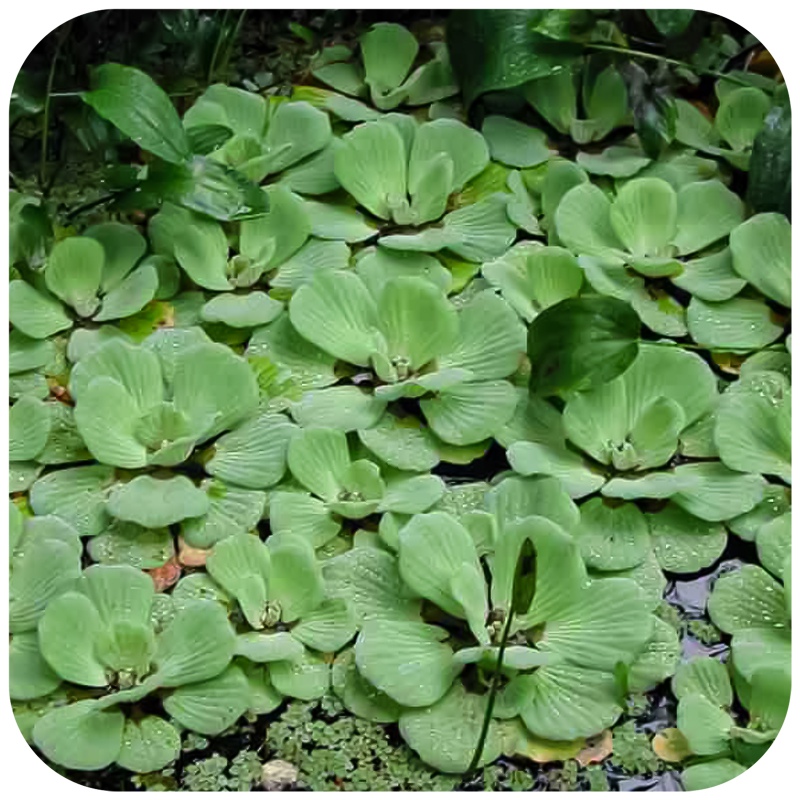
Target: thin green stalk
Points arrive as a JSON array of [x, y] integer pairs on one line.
[[46, 117], [231, 40], [611, 48], [495, 685], [220, 36]]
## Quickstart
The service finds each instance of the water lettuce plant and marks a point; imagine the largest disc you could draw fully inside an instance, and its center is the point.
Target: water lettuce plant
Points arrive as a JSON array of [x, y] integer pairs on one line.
[[410, 402]]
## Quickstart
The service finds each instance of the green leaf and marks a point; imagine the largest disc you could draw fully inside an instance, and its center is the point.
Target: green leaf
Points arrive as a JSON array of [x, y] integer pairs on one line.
[[123, 247], [644, 216], [126, 543], [370, 164], [241, 565], [683, 543], [388, 50], [29, 675], [148, 745], [532, 278], [775, 503], [296, 579], [135, 104], [504, 48], [704, 676], [304, 515], [774, 543], [130, 296], [358, 695], [370, 581], [615, 161], [612, 538], [470, 412], [327, 628], [263, 648], [74, 272], [432, 549], [196, 645], [197, 244], [445, 734], [231, 510], [657, 661], [513, 143], [563, 702], [580, 343], [296, 130], [406, 660], [740, 116], [336, 312], [671, 22], [29, 424], [214, 387], [76, 495], [156, 503], [306, 679], [753, 425], [254, 454], [402, 442], [732, 325], [748, 598], [769, 176], [711, 773], [26, 353], [80, 736], [762, 254], [211, 706], [34, 314], [710, 277], [318, 458], [707, 212], [705, 725]]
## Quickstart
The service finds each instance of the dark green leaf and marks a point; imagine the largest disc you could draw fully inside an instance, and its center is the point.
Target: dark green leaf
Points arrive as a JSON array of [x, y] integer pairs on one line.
[[654, 110], [503, 48], [142, 110], [670, 22], [581, 343], [621, 674], [207, 187], [203, 139], [769, 186]]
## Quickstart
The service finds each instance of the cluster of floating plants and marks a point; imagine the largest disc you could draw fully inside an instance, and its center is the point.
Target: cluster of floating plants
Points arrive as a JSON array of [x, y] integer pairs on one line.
[[232, 425]]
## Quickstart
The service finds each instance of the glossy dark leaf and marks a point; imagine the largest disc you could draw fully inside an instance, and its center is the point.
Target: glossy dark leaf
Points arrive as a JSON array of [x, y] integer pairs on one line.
[[207, 187], [203, 139], [581, 343], [769, 186], [654, 111], [503, 48], [142, 110]]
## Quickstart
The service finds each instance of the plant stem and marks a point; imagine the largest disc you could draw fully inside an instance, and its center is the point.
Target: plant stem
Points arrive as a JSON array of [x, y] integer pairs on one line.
[[487, 718], [46, 116], [220, 36], [612, 48], [226, 57]]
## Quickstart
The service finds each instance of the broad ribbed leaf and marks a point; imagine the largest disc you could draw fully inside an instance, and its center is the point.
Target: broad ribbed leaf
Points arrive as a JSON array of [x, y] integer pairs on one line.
[[406, 660], [762, 254], [148, 745], [612, 538], [74, 271], [33, 313], [157, 502]]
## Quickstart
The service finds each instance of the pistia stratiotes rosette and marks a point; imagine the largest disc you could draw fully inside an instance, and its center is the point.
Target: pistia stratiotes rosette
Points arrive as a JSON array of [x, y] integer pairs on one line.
[[419, 345], [630, 430], [334, 487], [388, 52], [148, 407], [95, 275], [428, 670], [100, 633]]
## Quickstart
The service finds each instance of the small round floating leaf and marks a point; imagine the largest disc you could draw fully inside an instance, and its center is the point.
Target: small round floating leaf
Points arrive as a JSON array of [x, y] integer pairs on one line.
[[148, 745], [762, 254], [581, 343], [408, 661], [705, 676], [710, 773], [79, 736], [157, 503], [612, 538], [29, 424], [74, 271], [33, 313], [211, 706], [684, 543], [445, 734], [745, 599]]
